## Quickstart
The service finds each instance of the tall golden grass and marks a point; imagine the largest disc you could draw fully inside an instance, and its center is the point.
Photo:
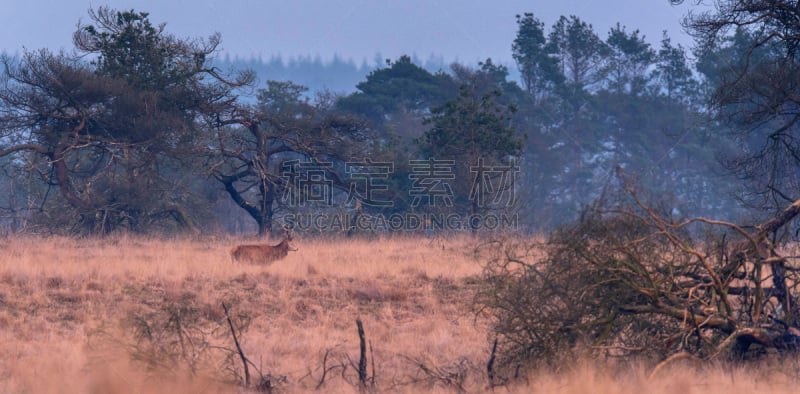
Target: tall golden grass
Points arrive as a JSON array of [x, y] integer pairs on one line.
[[413, 295]]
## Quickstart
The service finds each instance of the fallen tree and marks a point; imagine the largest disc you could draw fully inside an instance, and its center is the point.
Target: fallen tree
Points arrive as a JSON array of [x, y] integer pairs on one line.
[[630, 280]]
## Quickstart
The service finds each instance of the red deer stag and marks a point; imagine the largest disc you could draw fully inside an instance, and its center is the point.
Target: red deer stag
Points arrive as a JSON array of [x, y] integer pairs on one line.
[[265, 253]]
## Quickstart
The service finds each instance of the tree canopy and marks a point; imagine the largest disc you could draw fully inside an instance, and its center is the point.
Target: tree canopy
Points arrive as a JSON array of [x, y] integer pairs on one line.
[[116, 135], [139, 129]]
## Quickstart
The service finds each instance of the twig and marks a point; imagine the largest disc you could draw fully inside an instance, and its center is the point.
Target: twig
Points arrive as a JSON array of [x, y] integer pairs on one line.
[[324, 370], [372, 360], [238, 347], [362, 361], [490, 364]]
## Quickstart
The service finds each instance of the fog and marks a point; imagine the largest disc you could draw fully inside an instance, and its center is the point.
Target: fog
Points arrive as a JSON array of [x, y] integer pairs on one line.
[[465, 31]]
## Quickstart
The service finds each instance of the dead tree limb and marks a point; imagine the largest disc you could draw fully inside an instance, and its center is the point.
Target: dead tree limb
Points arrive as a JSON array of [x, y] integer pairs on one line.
[[362, 361], [779, 221], [372, 361], [490, 365], [691, 358], [238, 346], [324, 370]]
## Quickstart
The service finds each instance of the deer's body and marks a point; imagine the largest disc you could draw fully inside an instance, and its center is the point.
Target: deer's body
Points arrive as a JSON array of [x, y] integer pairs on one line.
[[263, 253]]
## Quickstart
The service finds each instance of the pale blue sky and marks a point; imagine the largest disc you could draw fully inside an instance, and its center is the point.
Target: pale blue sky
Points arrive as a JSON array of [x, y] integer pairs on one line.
[[464, 30]]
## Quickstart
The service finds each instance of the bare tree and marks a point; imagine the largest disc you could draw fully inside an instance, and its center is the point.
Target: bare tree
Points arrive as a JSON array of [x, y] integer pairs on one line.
[[756, 92]]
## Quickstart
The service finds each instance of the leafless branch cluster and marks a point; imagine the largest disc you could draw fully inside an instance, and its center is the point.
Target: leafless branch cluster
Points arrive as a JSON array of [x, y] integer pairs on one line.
[[630, 280]]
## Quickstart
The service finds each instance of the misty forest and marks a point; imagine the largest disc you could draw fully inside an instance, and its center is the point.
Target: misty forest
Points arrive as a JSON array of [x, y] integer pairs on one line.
[[137, 130], [628, 198]]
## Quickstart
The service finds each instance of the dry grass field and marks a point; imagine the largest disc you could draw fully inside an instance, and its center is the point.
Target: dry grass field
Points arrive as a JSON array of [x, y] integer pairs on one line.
[[70, 312]]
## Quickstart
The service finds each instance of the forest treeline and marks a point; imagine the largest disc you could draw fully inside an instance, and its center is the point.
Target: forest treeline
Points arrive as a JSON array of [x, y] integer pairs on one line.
[[339, 75], [137, 130]]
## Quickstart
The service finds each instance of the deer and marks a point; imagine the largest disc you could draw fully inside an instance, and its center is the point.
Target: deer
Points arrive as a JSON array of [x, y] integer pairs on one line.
[[263, 253]]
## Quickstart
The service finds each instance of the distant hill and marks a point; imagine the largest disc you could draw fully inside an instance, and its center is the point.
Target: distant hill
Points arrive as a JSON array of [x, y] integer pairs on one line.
[[337, 75]]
